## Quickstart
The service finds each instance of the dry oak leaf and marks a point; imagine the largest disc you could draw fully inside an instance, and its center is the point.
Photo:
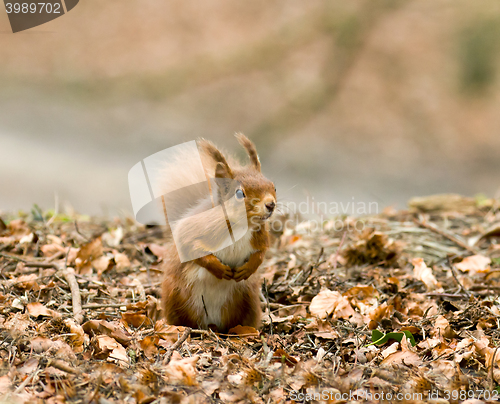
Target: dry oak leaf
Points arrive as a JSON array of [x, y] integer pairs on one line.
[[4, 384], [88, 253], [122, 262], [27, 282], [17, 324], [322, 329], [18, 228], [400, 357], [244, 331], [182, 371], [136, 319], [111, 329], [377, 314], [475, 264], [170, 333], [442, 328], [117, 351], [327, 302], [59, 349], [149, 346], [49, 250], [423, 273], [78, 337], [37, 309], [101, 264], [281, 356]]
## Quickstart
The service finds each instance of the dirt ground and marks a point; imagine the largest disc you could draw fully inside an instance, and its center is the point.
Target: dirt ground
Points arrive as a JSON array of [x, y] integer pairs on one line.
[[398, 307]]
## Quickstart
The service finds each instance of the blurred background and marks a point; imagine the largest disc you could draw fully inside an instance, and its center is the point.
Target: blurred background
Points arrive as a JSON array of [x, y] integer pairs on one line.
[[346, 100]]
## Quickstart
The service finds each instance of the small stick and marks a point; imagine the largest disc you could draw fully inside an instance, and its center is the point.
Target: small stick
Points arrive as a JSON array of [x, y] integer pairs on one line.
[[12, 257], [38, 265], [462, 288], [445, 235], [76, 298], [104, 305], [177, 344], [61, 365], [335, 260], [492, 380], [27, 381], [78, 231], [268, 308]]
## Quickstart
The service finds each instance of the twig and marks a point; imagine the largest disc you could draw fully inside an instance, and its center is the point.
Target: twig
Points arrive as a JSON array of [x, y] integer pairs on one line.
[[445, 235], [78, 231], [38, 265], [27, 381], [12, 257], [462, 287], [61, 365], [76, 298], [177, 344], [104, 305], [335, 260], [492, 380], [268, 308]]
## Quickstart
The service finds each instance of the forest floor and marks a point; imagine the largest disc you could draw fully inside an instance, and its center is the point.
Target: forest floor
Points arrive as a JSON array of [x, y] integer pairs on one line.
[[398, 307]]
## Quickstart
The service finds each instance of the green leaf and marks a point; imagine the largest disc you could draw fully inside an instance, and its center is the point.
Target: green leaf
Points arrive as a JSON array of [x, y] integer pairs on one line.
[[380, 338]]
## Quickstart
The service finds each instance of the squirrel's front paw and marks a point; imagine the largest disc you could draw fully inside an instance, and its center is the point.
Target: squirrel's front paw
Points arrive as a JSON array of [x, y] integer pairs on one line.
[[243, 272], [223, 272]]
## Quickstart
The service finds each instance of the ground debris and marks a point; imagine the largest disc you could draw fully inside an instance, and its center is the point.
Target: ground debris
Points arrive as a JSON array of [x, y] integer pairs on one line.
[[393, 305]]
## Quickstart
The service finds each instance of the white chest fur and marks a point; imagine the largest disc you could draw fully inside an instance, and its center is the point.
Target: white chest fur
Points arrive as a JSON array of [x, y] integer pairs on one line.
[[209, 294], [236, 254]]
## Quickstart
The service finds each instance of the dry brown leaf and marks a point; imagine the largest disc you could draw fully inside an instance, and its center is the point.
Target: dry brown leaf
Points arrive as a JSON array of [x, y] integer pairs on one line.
[[423, 273], [38, 309], [27, 282], [122, 262], [117, 354], [361, 292], [78, 337], [244, 331], [49, 250], [136, 319], [111, 329], [324, 303], [377, 314], [88, 253], [170, 333], [149, 346], [101, 264], [442, 328], [322, 329], [58, 348], [400, 357], [475, 264], [281, 356], [17, 324], [182, 371], [18, 228], [4, 384]]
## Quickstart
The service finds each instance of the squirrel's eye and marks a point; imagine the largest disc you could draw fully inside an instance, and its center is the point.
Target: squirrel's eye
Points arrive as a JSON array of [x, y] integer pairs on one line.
[[239, 194]]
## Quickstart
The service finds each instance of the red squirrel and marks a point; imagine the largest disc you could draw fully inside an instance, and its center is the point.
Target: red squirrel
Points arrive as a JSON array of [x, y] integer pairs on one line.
[[219, 290]]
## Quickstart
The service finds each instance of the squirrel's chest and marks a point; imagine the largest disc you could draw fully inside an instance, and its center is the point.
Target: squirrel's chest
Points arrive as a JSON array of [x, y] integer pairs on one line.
[[236, 254], [210, 296]]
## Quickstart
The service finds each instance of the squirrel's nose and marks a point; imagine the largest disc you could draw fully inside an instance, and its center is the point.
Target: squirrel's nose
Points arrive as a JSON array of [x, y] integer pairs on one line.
[[270, 206]]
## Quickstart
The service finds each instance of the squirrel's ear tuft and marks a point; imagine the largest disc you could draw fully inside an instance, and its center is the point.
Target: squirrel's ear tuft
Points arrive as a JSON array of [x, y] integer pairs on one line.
[[223, 171], [212, 151], [250, 148]]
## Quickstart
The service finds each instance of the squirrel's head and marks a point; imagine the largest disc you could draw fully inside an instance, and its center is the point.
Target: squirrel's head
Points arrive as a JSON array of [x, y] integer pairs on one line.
[[252, 186]]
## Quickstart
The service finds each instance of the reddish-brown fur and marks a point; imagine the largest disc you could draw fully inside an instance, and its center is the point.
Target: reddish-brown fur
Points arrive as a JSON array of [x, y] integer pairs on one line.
[[238, 299]]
